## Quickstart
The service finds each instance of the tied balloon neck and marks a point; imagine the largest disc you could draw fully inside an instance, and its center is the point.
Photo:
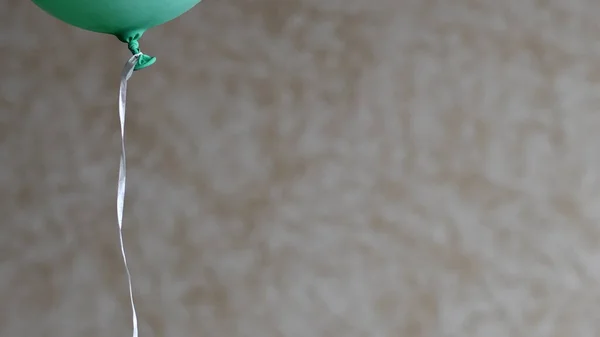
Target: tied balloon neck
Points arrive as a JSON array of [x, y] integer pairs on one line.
[[134, 47], [143, 60]]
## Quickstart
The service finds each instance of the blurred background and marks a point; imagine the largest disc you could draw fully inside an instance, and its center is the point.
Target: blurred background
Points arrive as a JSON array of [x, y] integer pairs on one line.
[[306, 168]]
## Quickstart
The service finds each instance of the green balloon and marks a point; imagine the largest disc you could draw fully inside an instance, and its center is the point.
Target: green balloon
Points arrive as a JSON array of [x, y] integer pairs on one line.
[[125, 19]]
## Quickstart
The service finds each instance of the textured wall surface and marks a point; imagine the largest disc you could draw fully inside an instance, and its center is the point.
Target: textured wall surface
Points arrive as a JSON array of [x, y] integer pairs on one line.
[[357, 168]]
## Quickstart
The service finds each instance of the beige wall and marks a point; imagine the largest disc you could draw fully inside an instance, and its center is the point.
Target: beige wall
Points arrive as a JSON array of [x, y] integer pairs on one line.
[[307, 168]]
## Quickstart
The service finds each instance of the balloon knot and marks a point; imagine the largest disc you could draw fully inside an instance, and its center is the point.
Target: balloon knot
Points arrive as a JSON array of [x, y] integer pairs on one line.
[[144, 60], [134, 47]]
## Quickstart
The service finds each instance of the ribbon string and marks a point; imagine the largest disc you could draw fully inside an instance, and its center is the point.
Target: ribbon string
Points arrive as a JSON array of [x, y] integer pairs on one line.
[[125, 76]]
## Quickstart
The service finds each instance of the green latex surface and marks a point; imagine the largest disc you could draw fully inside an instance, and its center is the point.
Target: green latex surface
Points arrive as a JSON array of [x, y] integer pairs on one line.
[[125, 19]]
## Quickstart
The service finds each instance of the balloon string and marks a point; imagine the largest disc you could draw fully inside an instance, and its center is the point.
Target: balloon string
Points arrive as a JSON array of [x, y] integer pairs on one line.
[[125, 75]]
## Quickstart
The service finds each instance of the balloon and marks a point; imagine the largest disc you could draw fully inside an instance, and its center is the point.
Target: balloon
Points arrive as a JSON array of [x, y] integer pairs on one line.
[[125, 19]]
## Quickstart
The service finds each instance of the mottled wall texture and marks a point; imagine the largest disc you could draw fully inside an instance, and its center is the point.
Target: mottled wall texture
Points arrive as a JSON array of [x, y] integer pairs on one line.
[[307, 168]]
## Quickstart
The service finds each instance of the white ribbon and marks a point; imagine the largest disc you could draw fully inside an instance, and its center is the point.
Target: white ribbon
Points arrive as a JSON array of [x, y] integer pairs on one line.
[[125, 75]]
